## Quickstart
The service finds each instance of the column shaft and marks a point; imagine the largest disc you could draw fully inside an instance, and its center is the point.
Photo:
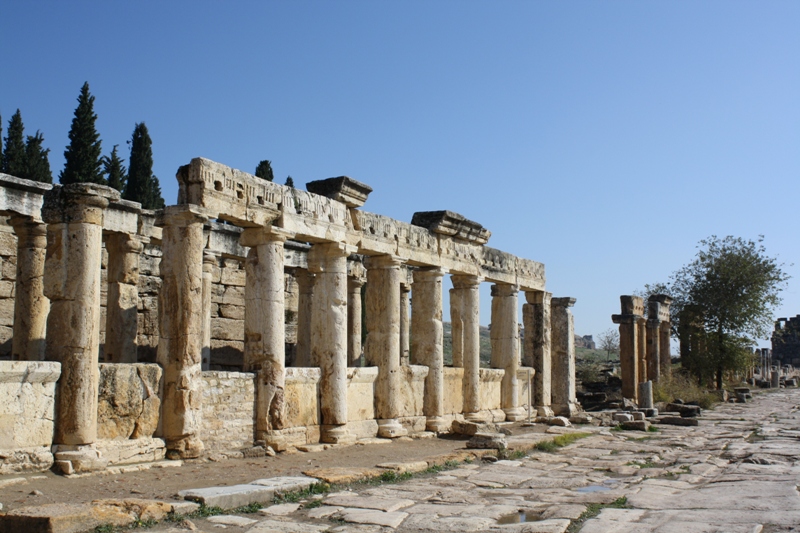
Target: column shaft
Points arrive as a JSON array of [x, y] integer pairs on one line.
[[564, 392], [354, 321], [405, 324], [30, 304], [122, 318], [538, 326], [383, 340], [653, 350], [305, 301], [180, 317], [468, 296], [641, 337], [665, 360], [456, 328], [628, 357], [427, 336], [264, 329], [209, 262], [328, 261], [505, 346]]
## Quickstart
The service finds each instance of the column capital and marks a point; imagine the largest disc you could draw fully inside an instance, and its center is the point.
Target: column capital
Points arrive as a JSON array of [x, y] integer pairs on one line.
[[466, 281], [538, 297], [320, 254], [383, 261], [563, 302], [77, 202], [183, 215], [625, 319], [504, 289], [429, 274], [25, 225], [262, 235], [355, 283], [125, 243]]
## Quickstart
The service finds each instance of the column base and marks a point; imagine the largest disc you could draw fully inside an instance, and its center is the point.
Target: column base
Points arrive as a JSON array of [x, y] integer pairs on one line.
[[437, 424], [336, 435], [479, 418], [544, 410], [189, 447], [515, 413], [274, 439], [390, 428], [78, 459], [567, 410]]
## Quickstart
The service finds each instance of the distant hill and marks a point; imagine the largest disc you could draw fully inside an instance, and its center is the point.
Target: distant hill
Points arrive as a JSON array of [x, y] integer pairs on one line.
[[486, 345]]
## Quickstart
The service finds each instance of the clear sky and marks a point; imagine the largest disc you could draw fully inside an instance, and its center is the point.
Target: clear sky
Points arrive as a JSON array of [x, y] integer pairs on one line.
[[604, 139]]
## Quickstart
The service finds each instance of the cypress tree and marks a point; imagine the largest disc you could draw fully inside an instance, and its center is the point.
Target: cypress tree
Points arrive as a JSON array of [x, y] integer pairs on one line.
[[142, 186], [264, 170], [289, 182], [14, 157], [1, 143], [114, 170], [83, 161], [37, 164]]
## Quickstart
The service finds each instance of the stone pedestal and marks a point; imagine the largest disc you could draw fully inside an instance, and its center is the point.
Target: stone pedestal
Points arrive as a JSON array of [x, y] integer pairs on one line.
[[456, 328], [354, 286], [30, 304], [468, 296], [383, 340], [427, 336], [305, 301], [209, 262], [122, 320], [74, 216], [264, 331], [563, 368], [181, 317], [328, 336], [646, 395], [405, 324], [537, 347], [505, 347]]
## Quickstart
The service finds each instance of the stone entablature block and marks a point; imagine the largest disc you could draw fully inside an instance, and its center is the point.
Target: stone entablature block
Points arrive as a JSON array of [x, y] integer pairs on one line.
[[350, 192], [453, 225]]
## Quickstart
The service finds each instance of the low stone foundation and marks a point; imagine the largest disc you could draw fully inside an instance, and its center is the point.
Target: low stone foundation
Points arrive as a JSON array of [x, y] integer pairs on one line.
[[228, 410], [27, 411]]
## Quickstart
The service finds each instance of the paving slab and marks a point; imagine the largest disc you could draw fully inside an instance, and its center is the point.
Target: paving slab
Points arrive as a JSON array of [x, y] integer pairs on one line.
[[231, 520], [229, 497], [376, 503], [370, 516]]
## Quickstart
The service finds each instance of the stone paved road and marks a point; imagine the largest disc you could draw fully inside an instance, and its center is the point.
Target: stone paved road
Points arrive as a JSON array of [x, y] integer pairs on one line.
[[737, 471]]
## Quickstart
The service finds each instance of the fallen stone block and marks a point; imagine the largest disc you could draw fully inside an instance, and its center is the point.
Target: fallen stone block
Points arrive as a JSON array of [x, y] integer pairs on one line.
[[623, 417], [637, 415], [462, 427], [677, 421], [493, 441], [182, 508], [581, 418], [63, 518], [636, 425], [559, 421], [286, 483], [684, 410]]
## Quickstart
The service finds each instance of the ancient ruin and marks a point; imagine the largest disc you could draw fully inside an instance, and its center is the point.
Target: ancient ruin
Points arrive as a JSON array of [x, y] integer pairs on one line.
[[234, 318], [644, 351]]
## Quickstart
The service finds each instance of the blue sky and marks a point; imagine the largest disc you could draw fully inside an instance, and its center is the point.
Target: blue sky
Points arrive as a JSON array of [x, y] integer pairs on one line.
[[604, 139]]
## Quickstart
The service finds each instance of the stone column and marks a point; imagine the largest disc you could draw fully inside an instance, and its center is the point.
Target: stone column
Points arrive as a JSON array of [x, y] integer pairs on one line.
[[209, 262], [536, 319], [383, 340], [122, 319], [264, 330], [469, 297], [505, 346], [405, 289], [456, 328], [305, 300], [653, 343], [632, 310], [427, 342], [563, 330], [641, 337], [354, 320], [74, 215], [180, 316], [30, 304], [329, 336]]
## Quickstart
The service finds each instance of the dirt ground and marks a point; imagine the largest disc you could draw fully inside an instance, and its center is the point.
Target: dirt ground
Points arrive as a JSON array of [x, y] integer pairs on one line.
[[164, 483]]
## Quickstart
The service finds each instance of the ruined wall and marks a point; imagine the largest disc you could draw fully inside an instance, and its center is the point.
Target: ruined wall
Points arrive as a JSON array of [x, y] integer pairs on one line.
[[27, 411], [8, 273], [228, 410]]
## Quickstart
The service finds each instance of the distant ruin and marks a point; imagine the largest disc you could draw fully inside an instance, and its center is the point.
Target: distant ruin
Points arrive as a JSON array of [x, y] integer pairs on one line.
[[235, 318]]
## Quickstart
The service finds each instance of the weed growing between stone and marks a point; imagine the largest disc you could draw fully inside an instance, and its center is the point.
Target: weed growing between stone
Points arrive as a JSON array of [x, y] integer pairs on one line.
[[593, 509], [560, 441]]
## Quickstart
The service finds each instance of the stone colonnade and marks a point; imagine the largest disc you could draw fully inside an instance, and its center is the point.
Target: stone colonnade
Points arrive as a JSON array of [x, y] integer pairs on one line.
[[401, 260], [644, 343]]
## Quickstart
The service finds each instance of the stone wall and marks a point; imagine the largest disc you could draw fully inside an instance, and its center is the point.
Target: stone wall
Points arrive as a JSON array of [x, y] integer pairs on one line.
[[128, 403], [27, 411], [228, 410], [8, 273]]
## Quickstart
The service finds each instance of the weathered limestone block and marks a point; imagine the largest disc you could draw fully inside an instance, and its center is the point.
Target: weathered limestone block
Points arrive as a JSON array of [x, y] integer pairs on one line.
[[227, 329], [490, 395], [412, 390], [228, 404], [452, 390], [123, 298], [302, 393], [361, 393], [128, 404], [537, 347], [305, 288], [138, 450], [629, 343]]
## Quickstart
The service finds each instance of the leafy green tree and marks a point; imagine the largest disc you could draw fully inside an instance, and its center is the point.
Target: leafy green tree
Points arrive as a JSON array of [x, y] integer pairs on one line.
[[732, 287], [264, 170], [114, 170], [37, 164], [14, 157], [142, 186], [83, 161], [289, 182]]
